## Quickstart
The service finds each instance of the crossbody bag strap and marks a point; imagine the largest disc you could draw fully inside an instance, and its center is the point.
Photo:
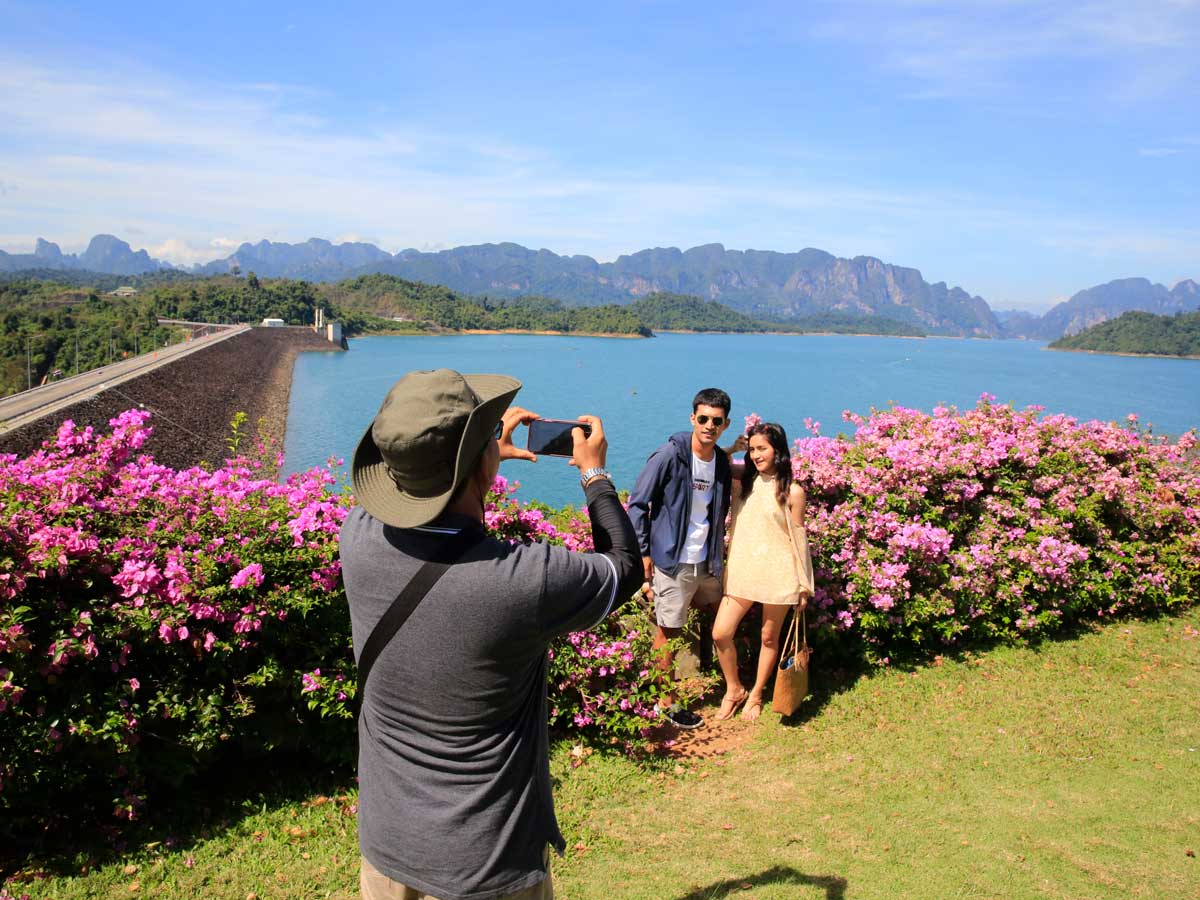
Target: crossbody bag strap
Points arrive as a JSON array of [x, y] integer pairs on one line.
[[406, 601]]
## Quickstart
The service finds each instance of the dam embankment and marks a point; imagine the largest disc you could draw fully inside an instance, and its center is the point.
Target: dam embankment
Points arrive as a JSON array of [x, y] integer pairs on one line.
[[192, 400]]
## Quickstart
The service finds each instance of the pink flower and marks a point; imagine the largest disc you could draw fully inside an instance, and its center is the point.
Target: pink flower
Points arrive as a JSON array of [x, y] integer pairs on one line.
[[252, 572]]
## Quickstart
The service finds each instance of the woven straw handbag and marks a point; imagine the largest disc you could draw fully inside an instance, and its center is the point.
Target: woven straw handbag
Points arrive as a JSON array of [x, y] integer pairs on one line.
[[791, 678]]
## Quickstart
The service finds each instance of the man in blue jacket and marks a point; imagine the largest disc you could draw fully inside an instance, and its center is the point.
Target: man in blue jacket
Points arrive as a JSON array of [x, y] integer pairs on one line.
[[678, 509]]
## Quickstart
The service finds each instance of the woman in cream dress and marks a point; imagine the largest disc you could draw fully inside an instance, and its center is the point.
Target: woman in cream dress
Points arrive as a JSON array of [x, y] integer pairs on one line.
[[768, 563]]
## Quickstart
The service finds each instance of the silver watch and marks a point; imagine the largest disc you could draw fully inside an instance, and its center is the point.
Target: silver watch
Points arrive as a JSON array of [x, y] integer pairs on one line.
[[595, 472]]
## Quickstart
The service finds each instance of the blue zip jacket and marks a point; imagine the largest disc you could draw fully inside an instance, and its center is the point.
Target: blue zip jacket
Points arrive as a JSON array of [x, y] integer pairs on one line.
[[661, 504]]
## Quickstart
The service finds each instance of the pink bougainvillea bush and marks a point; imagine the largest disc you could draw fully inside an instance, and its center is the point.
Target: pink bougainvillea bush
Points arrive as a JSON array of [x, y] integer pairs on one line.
[[151, 617], [600, 685], [933, 531]]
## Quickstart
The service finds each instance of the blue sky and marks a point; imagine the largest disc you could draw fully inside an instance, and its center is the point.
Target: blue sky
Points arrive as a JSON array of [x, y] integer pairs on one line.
[[1022, 151]]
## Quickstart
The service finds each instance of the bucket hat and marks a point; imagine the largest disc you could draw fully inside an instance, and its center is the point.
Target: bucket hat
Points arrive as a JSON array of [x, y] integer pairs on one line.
[[424, 441]]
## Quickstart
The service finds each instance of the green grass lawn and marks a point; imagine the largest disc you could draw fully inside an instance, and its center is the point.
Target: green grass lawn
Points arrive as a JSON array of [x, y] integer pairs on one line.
[[1067, 771]]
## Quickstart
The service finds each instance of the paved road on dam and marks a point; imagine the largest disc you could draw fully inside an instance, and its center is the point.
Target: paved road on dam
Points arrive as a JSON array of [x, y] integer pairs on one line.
[[27, 406]]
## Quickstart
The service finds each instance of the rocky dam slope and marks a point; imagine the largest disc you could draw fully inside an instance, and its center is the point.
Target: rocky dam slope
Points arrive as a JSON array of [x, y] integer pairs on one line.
[[193, 400]]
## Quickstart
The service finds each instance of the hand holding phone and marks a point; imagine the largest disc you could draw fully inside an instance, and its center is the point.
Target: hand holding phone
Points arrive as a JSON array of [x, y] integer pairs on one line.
[[552, 437], [591, 446], [514, 416]]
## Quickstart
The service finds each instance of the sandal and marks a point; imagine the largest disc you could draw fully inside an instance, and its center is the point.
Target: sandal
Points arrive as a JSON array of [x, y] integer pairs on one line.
[[729, 706], [753, 710]]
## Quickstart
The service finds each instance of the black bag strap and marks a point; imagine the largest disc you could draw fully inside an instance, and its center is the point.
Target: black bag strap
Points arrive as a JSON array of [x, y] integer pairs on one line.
[[406, 601]]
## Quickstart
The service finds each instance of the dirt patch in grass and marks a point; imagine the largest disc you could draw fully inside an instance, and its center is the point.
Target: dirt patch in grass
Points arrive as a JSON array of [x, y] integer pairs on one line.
[[713, 739]]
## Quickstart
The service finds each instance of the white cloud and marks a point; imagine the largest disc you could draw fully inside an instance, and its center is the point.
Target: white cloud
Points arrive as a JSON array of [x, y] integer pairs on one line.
[[987, 48], [353, 237], [180, 252], [1173, 244], [182, 162]]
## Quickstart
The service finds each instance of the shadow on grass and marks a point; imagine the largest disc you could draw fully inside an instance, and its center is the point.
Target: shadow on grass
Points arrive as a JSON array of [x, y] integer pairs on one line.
[[228, 792], [834, 886]]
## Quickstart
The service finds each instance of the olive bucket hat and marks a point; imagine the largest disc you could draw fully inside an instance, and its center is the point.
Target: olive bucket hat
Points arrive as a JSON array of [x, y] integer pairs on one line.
[[424, 441]]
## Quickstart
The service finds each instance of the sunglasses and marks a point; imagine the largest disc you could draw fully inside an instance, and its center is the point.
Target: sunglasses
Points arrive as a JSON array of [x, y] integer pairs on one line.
[[716, 420], [499, 430]]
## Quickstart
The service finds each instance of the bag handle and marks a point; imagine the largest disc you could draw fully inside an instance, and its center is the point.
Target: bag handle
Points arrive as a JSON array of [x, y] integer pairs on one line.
[[797, 636], [406, 601]]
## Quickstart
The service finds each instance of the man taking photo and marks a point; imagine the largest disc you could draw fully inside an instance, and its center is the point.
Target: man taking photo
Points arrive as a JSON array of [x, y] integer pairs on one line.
[[454, 779]]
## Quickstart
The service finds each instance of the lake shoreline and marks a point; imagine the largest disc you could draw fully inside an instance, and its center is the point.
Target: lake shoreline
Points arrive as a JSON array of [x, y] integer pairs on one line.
[[908, 337], [450, 332], [550, 333], [1126, 353]]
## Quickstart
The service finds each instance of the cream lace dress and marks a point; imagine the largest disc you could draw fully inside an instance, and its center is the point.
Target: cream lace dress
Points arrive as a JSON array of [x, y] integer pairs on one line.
[[769, 560]]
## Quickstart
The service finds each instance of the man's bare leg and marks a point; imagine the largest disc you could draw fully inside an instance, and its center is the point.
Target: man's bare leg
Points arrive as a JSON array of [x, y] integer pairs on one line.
[[666, 661]]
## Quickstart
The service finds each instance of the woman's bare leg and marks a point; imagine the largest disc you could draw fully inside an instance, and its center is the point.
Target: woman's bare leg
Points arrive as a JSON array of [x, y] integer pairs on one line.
[[768, 656], [729, 615]]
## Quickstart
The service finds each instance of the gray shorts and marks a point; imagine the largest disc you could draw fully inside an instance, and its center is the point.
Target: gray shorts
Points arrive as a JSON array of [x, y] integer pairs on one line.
[[692, 585]]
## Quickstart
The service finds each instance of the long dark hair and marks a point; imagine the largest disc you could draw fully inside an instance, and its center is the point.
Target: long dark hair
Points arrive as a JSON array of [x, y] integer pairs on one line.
[[777, 437]]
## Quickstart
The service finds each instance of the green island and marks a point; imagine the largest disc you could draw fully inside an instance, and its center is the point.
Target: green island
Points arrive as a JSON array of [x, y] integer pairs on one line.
[[55, 323], [1139, 333], [664, 311]]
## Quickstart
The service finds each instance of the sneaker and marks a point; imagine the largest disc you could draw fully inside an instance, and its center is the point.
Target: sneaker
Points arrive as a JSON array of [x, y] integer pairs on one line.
[[682, 718]]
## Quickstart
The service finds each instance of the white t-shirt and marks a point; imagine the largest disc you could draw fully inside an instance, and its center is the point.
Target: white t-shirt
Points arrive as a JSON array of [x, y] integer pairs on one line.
[[695, 548]]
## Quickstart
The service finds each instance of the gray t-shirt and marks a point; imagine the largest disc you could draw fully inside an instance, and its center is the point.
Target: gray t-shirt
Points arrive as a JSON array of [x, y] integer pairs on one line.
[[453, 766]]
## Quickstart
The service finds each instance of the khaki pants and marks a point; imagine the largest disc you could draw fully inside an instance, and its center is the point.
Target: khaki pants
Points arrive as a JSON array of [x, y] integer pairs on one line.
[[674, 595], [374, 885]]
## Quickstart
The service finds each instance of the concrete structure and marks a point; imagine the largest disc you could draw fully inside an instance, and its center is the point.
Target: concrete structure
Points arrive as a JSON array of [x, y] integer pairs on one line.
[[272, 323], [333, 332]]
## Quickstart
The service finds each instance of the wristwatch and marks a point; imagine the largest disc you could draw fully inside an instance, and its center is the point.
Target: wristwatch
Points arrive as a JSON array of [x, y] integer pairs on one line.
[[587, 476]]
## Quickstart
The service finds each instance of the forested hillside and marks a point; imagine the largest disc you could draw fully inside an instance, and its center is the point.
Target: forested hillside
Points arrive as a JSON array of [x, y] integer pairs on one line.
[[392, 298], [54, 323], [1140, 332], [53, 326], [50, 330], [681, 312]]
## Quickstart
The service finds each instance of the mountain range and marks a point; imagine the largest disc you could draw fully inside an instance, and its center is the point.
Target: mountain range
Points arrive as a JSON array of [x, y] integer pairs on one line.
[[757, 283], [762, 284], [1108, 301], [105, 253]]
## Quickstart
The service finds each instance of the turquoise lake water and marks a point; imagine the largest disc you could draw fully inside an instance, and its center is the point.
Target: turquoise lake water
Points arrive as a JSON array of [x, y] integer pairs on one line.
[[642, 389]]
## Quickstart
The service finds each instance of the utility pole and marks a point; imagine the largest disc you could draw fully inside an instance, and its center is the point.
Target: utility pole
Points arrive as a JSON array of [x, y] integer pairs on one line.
[[29, 358], [76, 351]]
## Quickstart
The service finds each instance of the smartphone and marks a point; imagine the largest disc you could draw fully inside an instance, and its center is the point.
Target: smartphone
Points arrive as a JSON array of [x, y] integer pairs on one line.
[[552, 437]]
